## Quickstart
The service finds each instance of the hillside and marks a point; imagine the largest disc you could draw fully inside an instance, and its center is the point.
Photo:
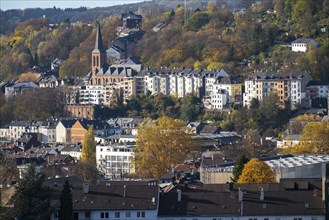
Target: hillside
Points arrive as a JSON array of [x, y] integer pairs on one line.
[[204, 36]]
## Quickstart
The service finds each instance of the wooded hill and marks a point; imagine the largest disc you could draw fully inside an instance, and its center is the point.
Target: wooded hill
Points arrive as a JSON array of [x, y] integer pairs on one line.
[[213, 37]]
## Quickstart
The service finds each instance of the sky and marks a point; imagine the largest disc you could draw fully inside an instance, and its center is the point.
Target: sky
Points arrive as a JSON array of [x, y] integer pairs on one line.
[[22, 4]]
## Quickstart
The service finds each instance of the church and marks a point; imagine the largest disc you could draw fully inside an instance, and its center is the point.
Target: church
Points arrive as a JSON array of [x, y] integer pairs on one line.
[[101, 72]]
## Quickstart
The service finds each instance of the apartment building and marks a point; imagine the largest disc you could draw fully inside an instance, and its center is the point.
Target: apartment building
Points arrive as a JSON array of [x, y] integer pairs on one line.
[[287, 85], [114, 160]]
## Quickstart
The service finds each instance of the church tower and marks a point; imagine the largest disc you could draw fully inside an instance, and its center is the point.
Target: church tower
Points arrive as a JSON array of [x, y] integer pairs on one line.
[[98, 55]]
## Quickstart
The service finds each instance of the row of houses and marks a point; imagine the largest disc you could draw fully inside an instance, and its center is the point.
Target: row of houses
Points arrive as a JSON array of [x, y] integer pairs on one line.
[[69, 130], [146, 200]]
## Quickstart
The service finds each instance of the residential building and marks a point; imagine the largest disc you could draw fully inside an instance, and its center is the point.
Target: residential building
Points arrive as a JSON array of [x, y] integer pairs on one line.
[[16, 129], [4, 132], [63, 130], [47, 131], [288, 141], [131, 20], [122, 200], [74, 150], [51, 82], [276, 201], [80, 126], [289, 86], [301, 44], [114, 160], [14, 89], [91, 94], [316, 93]]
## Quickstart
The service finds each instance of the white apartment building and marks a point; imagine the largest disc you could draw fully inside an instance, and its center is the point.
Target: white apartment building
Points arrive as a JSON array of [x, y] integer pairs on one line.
[[17, 128], [218, 99], [296, 93], [48, 131], [115, 160], [300, 44], [91, 94]]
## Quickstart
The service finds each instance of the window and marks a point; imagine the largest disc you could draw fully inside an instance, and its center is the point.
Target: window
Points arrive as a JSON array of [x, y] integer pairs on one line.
[[104, 215], [117, 215], [128, 215], [140, 214], [87, 214], [56, 215], [298, 218]]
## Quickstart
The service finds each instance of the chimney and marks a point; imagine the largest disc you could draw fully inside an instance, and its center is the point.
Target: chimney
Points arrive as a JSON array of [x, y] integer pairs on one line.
[[179, 195], [85, 188], [261, 198], [240, 195]]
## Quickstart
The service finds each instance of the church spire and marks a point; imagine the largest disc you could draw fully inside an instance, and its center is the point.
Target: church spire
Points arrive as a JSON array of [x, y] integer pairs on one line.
[[98, 55], [99, 42]]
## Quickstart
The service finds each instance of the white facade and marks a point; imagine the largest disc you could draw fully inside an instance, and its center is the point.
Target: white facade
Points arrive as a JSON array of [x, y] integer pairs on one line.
[[249, 93], [62, 134], [115, 161], [218, 99], [114, 214], [91, 94], [298, 47], [4, 133], [48, 134], [181, 86], [296, 94], [173, 85], [16, 130]]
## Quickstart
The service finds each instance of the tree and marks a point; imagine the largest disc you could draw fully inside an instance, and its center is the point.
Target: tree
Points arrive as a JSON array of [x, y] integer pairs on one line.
[[239, 165], [29, 76], [160, 145], [313, 140], [87, 171], [31, 199], [256, 171], [66, 207], [88, 153]]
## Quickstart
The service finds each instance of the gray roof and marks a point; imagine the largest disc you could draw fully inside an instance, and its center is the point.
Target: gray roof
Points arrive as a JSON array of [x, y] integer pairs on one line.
[[110, 197], [216, 200]]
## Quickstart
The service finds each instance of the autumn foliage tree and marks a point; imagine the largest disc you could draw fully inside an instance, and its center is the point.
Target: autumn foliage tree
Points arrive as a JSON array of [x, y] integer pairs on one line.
[[86, 168], [160, 145], [313, 140], [256, 171], [88, 153]]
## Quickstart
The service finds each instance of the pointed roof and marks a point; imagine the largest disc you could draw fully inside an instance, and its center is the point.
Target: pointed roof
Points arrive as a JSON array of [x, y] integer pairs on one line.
[[99, 42]]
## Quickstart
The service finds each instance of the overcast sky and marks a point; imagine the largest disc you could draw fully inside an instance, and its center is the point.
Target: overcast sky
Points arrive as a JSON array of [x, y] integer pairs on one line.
[[22, 4]]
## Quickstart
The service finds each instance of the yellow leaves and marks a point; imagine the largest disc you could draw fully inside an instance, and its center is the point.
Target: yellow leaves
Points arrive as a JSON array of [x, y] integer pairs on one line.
[[256, 171], [29, 76], [88, 153], [215, 65], [161, 144], [307, 117], [314, 139], [197, 64]]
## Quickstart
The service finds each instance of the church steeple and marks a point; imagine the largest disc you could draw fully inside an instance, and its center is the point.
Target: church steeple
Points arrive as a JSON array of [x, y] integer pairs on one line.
[[99, 42], [98, 54]]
